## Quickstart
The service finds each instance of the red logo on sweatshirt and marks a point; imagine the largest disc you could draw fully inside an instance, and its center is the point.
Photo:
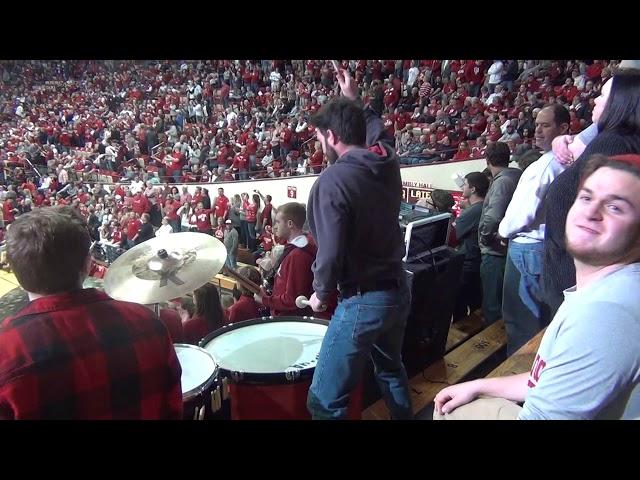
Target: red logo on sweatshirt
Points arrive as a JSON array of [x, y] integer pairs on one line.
[[292, 192], [536, 370]]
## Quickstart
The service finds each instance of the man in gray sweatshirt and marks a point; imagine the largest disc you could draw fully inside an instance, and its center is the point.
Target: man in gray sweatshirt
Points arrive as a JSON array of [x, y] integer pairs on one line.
[[492, 247], [588, 363]]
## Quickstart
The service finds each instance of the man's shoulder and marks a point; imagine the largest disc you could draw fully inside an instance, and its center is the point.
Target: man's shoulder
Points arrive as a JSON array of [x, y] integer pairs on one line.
[[473, 211]]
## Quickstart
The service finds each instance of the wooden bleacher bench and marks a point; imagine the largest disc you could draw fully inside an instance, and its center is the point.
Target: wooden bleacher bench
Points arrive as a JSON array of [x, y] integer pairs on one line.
[[521, 361], [455, 366], [463, 329], [222, 281]]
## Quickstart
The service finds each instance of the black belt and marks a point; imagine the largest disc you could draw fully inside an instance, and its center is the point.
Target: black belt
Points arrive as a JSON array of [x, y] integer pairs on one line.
[[373, 286]]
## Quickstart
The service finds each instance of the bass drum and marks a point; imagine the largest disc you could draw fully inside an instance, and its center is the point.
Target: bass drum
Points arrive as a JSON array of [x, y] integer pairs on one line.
[[269, 364]]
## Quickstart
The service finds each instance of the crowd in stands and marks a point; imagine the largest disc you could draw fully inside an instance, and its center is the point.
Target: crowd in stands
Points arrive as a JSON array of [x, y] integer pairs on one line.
[[222, 120], [67, 127]]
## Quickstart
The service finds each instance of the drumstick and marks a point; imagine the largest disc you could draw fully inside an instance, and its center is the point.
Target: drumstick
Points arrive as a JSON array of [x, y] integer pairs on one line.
[[302, 302], [225, 388]]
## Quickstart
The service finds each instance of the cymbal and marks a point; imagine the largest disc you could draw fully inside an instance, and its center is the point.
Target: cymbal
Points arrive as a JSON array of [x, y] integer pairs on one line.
[[165, 267]]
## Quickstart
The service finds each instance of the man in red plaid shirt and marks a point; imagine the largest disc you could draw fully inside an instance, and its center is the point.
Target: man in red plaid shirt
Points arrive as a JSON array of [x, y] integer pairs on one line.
[[75, 353]]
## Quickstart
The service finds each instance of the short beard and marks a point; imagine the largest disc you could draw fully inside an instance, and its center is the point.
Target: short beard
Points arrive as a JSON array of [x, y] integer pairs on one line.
[[331, 155], [626, 253]]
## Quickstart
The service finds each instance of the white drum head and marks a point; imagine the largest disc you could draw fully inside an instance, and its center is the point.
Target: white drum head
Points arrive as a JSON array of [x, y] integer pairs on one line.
[[198, 368], [271, 347]]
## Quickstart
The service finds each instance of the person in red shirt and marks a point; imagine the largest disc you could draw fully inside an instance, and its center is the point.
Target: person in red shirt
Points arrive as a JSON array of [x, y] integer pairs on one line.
[[75, 353], [245, 308], [133, 227], [463, 152], [266, 215], [479, 149], [252, 148], [173, 322], [266, 239], [197, 196], [219, 231], [240, 164], [293, 272], [317, 158], [140, 204], [171, 207], [207, 317], [221, 204], [202, 219], [9, 211], [251, 215]]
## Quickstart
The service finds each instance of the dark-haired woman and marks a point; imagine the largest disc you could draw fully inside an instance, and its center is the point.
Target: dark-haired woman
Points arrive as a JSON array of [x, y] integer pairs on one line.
[[617, 114]]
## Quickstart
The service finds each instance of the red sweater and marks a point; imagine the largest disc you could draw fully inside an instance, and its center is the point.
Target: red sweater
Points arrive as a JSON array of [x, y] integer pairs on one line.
[[293, 279], [195, 329], [173, 322], [245, 308]]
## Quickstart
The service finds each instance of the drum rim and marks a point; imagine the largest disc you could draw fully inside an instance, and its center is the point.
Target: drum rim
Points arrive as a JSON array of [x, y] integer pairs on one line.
[[272, 378], [195, 392]]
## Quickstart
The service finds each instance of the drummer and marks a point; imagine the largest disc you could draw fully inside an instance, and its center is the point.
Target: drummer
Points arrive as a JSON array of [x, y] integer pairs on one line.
[[294, 276], [75, 353]]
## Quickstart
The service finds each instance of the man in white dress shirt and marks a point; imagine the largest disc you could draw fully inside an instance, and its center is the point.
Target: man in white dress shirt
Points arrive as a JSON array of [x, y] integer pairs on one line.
[[523, 224]]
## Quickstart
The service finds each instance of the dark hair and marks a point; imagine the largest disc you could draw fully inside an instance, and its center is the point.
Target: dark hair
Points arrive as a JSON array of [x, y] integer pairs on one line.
[[598, 161], [479, 181], [345, 118], [208, 305], [294, 211], [498, 154], [256, 199], [48, 249], [560, 114], [527, 158], [622, 110], [442, 201], [253, 275]]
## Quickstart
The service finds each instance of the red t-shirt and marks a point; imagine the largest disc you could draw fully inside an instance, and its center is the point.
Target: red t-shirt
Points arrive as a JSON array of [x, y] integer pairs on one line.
[[140, 204], [221, 206], [240, 162], [170, 209], [7, 210], [251, 213], [203, 219], [133, 227], [265, 215]]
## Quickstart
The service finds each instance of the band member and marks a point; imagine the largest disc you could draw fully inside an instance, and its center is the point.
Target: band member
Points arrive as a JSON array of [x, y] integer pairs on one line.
[[293, 276], [245, 308]]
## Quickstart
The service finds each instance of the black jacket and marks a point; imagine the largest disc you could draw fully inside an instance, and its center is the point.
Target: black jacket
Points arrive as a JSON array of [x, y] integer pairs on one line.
[[353, 216]]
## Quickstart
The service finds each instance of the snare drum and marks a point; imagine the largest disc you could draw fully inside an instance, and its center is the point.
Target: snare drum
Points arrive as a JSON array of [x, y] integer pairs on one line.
[[201, 393], [269, 363]]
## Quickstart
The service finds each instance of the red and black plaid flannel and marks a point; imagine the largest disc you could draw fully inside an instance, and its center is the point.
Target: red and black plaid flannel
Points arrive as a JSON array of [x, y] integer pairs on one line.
[[83, 355]]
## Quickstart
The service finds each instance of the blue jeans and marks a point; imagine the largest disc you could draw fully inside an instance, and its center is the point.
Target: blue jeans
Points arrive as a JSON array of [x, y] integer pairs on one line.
[[492, 275], [251, 238], [368, 325], [522, 298]]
